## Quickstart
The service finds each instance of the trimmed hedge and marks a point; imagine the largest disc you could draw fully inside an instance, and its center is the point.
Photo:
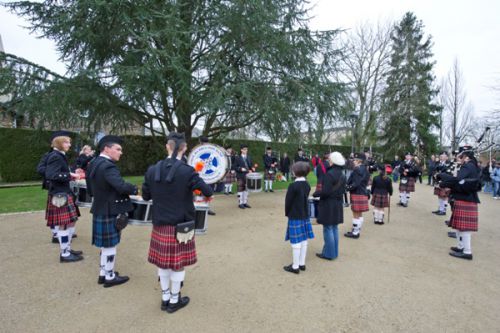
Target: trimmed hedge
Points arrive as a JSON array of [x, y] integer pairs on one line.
[[21, 149], [20, 152]]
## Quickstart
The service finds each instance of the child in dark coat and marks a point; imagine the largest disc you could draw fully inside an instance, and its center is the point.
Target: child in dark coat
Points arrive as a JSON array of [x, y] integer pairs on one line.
[[299, 228], [381, 190]]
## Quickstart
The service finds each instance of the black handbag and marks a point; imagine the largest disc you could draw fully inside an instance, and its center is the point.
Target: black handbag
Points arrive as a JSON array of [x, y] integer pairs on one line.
[[184, 232], [121, 221]]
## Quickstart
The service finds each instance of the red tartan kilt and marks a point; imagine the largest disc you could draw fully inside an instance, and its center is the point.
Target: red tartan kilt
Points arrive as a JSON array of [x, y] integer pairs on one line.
[[408, 187], [359, 203], [442, 192], [230, 178], [165, 252], [269, 176], [464, 216], [380, 200], [61, 216]]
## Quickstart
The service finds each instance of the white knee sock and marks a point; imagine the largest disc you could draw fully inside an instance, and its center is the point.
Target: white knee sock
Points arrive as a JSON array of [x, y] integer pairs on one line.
[[245, 197], [228, 188], [164, 275], [240, 198], [402, 197], [110, 253], [266, 184], [303, 253], [63, 236], [71, 231], [381, 216], [54, 230], [442, 207], [102, 266], [466, 239], [270, 184], [295, 255], [356, 226], [176, 278]]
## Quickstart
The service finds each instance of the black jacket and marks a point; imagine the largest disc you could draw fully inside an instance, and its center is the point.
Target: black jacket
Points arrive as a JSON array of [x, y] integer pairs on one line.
[[296, 205], [302, 158], [381, 185], [241, 163], [82, 161], [331, 204], [57, 173], [285, 164], [268, 161], [465, 185], [358, 180], [411, 169], [109, 189], [173, 202], [319, 170]]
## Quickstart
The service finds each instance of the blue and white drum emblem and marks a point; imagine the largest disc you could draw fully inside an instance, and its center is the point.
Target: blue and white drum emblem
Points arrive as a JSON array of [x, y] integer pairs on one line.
[[214, 159]]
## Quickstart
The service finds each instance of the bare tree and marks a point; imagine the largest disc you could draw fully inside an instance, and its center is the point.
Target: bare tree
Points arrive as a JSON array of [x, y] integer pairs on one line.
[[457, 111], [367, 55]]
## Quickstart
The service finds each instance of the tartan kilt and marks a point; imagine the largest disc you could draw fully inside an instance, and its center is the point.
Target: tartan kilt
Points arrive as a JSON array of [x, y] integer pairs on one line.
[[104, 232], [165, 252], [408, 187], [380, 200], [242, 184], [230, 178], [61, 216], [442, 192], [464, 216], [359, 203], [298, 230], [269, 176]]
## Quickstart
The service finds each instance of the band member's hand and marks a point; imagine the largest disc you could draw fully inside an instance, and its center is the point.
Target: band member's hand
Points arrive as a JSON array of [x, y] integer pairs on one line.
[[243, 169], [233, 172], [75, 176]]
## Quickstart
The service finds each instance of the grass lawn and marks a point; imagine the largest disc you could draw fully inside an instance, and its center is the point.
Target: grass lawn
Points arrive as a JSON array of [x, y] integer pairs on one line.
[[29, 198]]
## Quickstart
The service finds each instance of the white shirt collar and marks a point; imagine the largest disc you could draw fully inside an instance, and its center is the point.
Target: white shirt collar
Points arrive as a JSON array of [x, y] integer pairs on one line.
[[105, 156], [61, 151], [300, 179]]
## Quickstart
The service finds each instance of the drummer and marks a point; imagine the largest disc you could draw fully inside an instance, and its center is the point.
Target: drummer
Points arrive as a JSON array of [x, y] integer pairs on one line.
[[111, 198], [170, 183], [243, 165]]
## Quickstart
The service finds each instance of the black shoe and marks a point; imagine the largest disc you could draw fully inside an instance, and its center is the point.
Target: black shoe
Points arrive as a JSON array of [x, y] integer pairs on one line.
[[241, 206], [452, 234], [102, 278], [247, 206], [321, 256], [349, 234], [400, 204], [441, 213], [70, 258], [211, 212], [456, 249], [74, 236], [271, 191], [76, 252], [265, 191], [164, 305], [55, 240], [116, 281], [172, 307], [231, 192], [346, 204], [461, 255], [226, 193], [302, 267], [435, 212], [290, 269]]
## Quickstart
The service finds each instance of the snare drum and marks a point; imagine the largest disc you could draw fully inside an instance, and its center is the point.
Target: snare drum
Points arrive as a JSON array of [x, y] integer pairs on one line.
[[201, 218], [142, 213], [83, 198], [254, 182], [313, 207]]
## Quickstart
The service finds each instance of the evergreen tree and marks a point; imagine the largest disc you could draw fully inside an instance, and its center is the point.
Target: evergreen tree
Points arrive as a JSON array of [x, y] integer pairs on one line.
[[169, 65], [409, 111]]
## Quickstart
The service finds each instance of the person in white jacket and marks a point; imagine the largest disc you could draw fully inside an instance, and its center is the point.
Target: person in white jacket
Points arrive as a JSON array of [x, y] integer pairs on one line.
[[495, 177]]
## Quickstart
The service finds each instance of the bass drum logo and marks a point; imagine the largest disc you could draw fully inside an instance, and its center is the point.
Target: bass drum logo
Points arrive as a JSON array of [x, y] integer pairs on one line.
[[214, 159]]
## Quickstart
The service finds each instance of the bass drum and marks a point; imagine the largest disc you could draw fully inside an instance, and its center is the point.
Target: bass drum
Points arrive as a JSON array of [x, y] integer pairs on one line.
[[212, 160]]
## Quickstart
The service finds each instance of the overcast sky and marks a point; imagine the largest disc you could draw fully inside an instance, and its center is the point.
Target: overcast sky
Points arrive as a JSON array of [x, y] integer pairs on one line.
[[462, 29]]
